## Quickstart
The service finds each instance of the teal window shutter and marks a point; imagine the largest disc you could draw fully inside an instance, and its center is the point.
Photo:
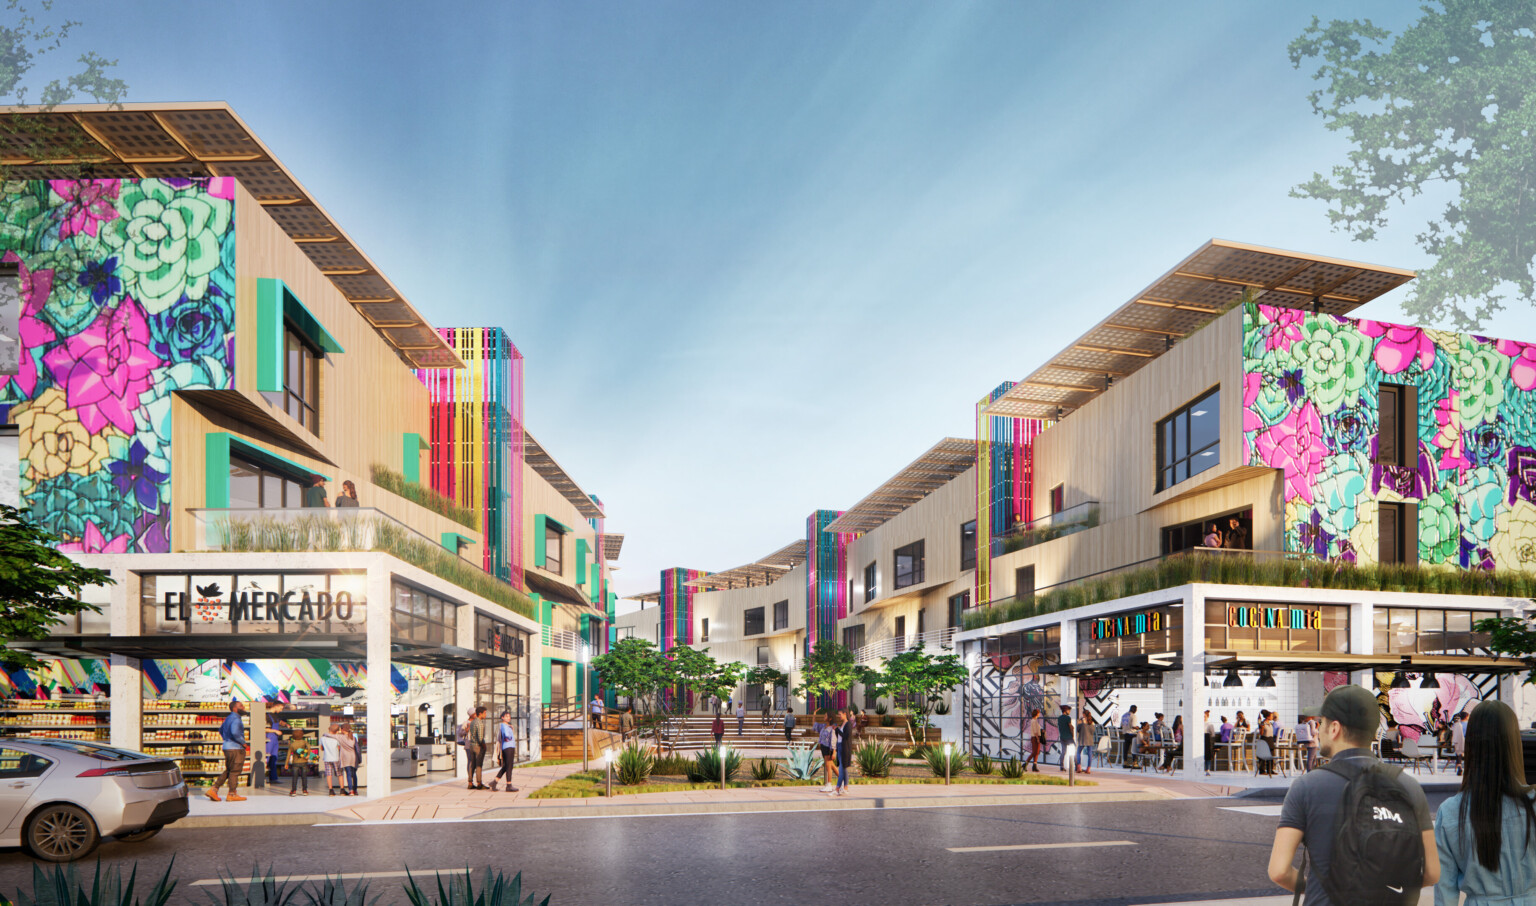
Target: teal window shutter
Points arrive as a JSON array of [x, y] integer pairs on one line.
[[592, 587], [538, 540], [410, 461], [276, 305], [216, 474], [581, 561]]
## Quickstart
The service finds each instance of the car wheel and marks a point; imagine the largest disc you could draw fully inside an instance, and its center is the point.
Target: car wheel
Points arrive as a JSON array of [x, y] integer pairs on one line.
[[139, 836], [61, 833]]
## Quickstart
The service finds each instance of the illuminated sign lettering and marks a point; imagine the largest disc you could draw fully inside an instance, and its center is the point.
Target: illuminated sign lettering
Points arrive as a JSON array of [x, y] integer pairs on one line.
[[1137, 623], [1274, 617]]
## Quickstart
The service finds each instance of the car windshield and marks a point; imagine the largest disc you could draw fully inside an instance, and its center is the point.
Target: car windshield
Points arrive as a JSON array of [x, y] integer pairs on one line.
[[104, 753]]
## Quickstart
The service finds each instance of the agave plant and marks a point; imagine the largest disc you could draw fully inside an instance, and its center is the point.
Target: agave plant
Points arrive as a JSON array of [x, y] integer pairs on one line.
[[874, 758], [61, 885], [802, 763], [495, 890], [938, 757], [763, 769], [1012, 769], [706, 765], [257, 890], [982, 764], [334, 892], [634, 764]]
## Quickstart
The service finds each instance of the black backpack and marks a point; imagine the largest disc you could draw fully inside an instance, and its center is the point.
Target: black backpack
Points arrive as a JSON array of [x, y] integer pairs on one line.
[[1378, 850]]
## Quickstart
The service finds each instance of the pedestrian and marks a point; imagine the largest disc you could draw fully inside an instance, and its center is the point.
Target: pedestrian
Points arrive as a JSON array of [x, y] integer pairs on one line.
[[270, 752], [348, 496], [1398, 826], [1486, 833], [478, 740], [300, 757], [330, 761], [1212, 536], [626, 722], [844, 750], [717, 727], [1064, 734], [232, 738], [1159, 728], [1306, 740], [506, 739], [826, 741], [1084, 742], [741, 717], [1210, 742], [1177, 738], [1267, 736], [1035, 731], [766, 704], [597, 712], [314, 495], [349, 758], [714, 703], [789, 724], [1459, 740], [1127, 733]]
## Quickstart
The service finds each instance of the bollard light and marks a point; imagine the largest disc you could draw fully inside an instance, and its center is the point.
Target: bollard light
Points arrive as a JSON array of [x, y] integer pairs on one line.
[[948, 752], [1069, 753], [608, 769], [723, 750]]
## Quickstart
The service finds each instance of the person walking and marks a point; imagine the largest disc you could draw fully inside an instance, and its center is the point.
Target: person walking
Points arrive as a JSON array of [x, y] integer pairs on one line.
[[348, 496], [1314, 812], [597, 712], [1267, 736], [314, 495], [789, 725], [1084, 742], [1064, 735], [826, 741], [741, 717], [1486, 833], [1127, 733], [349, 759], [1177, 748], [1210, 742], [478, 743], [330, 761], [845, 730], [1459, 740], [714, 703], [506, 740], [765, 703], [300, 757], [717, 727], [1306, 740], [1035, 731], [270, 752], [232, 742]]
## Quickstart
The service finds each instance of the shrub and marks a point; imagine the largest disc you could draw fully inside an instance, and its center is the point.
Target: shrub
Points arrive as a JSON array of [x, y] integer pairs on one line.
[[706, 766], [672, 764], [802, 763], [634, 764], [880, 707], [874, 758], [763, 769], [1012, 769], [937, 758], [941, 708], [982, 764], [495, 890], [334, 892], [62, 884], [395, 483], [260, 890], [887, 720]]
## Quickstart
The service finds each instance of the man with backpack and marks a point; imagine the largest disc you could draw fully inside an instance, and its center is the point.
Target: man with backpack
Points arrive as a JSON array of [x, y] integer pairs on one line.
[[1367, 829]]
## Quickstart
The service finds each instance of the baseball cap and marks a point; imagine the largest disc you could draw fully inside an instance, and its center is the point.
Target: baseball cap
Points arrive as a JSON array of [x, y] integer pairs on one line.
[[1353, 706]]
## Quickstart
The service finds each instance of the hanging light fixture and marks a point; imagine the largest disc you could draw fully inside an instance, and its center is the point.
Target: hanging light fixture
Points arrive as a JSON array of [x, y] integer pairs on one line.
[[1232, 681], [1429, 681], [1266, 680], [1400, 681]]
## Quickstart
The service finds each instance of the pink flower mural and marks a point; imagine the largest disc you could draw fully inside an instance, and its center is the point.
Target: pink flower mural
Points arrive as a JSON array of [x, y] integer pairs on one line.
[[1397, 346], [1295, 445], [86, 203], [105, 367], [1523, 369]]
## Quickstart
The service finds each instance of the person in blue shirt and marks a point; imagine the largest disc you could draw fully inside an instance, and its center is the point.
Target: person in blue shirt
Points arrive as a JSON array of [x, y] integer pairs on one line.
[[232, 737], [1486, 834], [506, 746]]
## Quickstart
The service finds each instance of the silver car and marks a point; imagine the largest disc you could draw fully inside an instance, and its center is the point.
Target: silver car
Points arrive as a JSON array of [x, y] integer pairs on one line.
[[59, 797]]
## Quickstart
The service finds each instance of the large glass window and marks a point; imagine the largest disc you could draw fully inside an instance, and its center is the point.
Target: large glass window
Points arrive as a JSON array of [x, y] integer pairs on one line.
[[554, 540], [301, 380], [504, 688], [957, 605], [1402, 630], [870, 591], [853, 637], [752, 622], [1189, 440], [1396, 540], [968, 546], [419, 616], [909, 564], [1149, 631], [780, 615], [1267, 626], [252, 486]]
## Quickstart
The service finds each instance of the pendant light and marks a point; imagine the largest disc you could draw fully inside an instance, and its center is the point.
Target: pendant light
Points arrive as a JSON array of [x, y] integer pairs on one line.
[[1266, 680], [1400, 681], [1232, 681], [1429, 681]]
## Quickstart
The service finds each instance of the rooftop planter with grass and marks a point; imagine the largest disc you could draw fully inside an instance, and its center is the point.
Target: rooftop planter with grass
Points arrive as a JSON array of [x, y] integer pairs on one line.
[[1069, 521], [1287, 572], [395, 483]]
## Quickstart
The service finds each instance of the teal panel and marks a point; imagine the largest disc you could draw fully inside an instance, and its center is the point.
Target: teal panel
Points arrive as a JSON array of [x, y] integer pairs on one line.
[[581, 561], [269, 335], [268, 458], [216, 474], [545, 675], [410, 459], [538, 539]]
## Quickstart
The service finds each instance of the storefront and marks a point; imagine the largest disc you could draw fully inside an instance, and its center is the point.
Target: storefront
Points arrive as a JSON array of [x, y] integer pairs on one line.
[[374, 644], [1270, 649]]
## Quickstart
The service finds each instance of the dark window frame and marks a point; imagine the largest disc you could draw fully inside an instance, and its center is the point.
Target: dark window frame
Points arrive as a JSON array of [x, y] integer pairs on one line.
[[1176, 455], [301, 378], [288, 498], [1397, 532], [704, 629], [871, 581], [1397, 424], [968, 546], [780, 615], [913, 574], [754, 621], [854, 637], [555, 562], [1058, 498]]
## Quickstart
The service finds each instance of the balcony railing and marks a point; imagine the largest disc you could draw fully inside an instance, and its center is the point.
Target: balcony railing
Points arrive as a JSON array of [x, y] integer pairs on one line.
[[563, 638], [1069, 521], [933, 640], [297, 529]]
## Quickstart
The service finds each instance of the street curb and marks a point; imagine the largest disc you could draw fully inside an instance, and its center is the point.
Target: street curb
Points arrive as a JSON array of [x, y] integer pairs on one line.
[[1278, 792], [643, 809], [258, 819]]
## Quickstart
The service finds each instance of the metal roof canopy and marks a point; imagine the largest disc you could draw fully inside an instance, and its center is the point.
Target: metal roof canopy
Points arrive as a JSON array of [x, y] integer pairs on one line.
[[648, 597], [208, 139], [1415, 663], [261, 646], [611, 545], [941, 464], [761, 572], [539, 458], [1131, 665], [565, 595], [1195, 292]]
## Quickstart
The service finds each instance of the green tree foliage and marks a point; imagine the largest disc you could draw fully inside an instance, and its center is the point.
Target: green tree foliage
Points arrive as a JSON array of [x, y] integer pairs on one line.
[[1447, 101], [1512, 637], [636, 669], [767, 677], [920, 678], [722, 681], [38, 585], [830, 668]]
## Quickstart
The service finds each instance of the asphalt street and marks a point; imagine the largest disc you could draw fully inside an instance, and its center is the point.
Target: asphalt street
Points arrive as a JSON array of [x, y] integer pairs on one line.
[[1146, 852]]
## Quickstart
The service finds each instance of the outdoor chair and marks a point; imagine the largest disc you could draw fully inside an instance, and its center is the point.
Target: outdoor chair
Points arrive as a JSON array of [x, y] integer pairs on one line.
[[1261, 753], [1102, 751], [1416, 756]]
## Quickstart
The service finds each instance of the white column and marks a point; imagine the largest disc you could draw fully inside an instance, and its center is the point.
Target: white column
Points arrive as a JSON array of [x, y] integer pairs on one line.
[[1195, 693], [379, 693], [127, 698], [1362, 637]]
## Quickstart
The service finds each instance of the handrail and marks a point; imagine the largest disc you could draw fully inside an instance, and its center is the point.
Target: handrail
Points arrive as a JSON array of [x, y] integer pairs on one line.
[[296, 528], [562, 638], [1076, 518], [890, 647]]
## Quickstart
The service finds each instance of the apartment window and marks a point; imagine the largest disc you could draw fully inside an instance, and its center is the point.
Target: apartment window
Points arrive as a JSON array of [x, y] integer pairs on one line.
[[853, 637], [957, 605], [1024, 582], [554, 540], [753, 622], [968, 546], [253, 486], [301, 380], [704, 629], [921, 614], [1058, 499], [869, 583], [762, 655], [780, 616], [1189, 440], [901, 634], [909, 564], [1398, 539], [1397, 438]]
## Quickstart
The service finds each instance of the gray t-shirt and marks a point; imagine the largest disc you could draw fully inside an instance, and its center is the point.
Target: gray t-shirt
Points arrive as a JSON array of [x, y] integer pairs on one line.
[[1312, 806]]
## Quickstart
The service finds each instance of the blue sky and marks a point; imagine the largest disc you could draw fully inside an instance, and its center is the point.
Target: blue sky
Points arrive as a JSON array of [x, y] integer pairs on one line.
[[760, 256]]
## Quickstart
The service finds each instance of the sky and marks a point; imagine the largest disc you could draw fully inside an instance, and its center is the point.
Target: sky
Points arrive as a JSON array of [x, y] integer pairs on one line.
[[760, 256]]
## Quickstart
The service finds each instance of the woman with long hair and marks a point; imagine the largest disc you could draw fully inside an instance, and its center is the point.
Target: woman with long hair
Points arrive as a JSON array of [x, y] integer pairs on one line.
[[1486, 834]]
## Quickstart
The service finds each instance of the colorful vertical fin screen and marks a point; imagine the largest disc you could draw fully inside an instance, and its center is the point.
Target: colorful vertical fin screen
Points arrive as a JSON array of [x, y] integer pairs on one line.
[[1005, 450], [677, 606]]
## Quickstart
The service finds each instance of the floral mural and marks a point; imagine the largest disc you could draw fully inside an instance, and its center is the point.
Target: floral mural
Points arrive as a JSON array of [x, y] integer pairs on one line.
[[127, 295], [1310, 408]]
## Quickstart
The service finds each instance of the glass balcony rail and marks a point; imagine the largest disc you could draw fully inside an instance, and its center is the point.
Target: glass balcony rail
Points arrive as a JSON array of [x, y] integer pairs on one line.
[[1069, 521], [933, 641], [299, 529]]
